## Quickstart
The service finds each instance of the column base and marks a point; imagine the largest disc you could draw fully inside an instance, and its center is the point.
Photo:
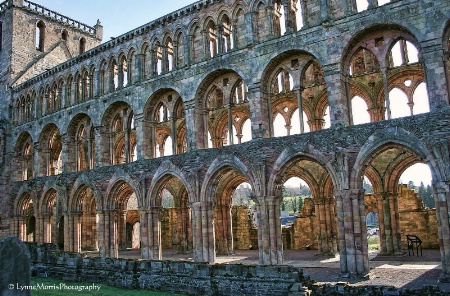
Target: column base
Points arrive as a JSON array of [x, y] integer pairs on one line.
[[444, 278]]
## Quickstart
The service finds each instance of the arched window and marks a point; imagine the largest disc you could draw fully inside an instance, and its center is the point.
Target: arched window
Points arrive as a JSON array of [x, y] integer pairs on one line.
[[180, 51], [82, 45], [64, 35], [227, 34], [403, 53], [40, 36], [212, 35]]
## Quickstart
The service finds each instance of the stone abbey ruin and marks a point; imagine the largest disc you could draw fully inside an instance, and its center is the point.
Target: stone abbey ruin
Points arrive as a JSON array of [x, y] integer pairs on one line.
[[95, 136]]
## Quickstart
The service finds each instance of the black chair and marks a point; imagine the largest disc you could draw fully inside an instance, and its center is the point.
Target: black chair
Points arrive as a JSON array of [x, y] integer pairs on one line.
[[414, 241]]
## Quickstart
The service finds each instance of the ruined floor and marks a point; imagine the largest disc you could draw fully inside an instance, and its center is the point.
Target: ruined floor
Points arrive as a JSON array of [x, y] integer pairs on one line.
[[409, 272]]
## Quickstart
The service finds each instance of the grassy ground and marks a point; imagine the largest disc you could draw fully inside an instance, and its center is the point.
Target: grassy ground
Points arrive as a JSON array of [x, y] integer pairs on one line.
[[373, 242], [75, 289]]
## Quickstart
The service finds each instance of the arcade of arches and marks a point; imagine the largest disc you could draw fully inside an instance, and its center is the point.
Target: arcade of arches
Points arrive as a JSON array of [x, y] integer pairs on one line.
[[144, 147]]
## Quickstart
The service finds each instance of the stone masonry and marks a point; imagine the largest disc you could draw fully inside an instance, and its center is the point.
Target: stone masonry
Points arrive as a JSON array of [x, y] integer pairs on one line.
[[171, 106]]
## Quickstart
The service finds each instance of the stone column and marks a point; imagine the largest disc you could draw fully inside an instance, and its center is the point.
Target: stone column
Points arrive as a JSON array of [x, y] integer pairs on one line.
[[67, 234], [122, 229], [270, 23], [442, 198], [386, 92], [387, 237], [196, 129], [259, 113], [203, 232], [395, 222], [154, 234], [190, 50], [324, 13], [140, 66], [251, 29], [372, 4], [102, 234], [39, 229], [144, 234], [230, 124], [382, 234], [287, 4], [299, 92], [352, 234], [325, 216], [173, 134], [224, 230], [337, 97], [434, 72], [206, 48], [270, 242], [113, 240]]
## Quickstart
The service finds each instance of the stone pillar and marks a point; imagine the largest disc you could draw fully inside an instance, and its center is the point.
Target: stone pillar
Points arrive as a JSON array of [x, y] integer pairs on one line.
[[122, 229], [101, 148], [442, 198], [112, 236], [270, 23], [324, 13], [287, 4], [196, 128], [154, 233], [299, 92], [144, 234], [140, 66], [259, 113], [206, 48], [101, 230], [382, 234], [270, 242], [183, 230], [203, 232], [395, 222], [387, 237], [67, 234], [337, 97], [325, 218], [435, 75], [224, 230], [39, 229], [372, 4], [190, 49], [352, 234], [386, 92], [251, 26]]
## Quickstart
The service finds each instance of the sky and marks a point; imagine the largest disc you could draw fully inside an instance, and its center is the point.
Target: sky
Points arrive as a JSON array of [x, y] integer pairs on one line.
[[115, 16], [118, 18]]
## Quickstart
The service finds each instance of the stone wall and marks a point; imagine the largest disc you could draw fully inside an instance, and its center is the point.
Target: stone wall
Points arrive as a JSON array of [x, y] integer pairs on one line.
[[303, 233], [417, 219], [245, 233], [172, 276]]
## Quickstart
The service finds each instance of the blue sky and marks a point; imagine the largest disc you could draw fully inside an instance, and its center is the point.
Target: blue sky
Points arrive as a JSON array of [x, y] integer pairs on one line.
[[116, 17]]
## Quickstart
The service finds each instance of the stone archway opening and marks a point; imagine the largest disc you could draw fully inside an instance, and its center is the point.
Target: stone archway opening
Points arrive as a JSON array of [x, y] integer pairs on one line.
[[122, 210], [314, 227], [401, 211], [164, 124], [167, 230], [297, 208], [25, 219], [81, 225], [223, 94]]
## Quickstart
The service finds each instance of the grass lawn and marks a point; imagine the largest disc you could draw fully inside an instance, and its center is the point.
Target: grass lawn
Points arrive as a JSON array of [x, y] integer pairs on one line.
[[103, 290]]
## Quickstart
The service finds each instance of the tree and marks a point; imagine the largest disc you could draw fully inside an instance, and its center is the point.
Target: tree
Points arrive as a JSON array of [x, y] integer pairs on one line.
[[411, 185]]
